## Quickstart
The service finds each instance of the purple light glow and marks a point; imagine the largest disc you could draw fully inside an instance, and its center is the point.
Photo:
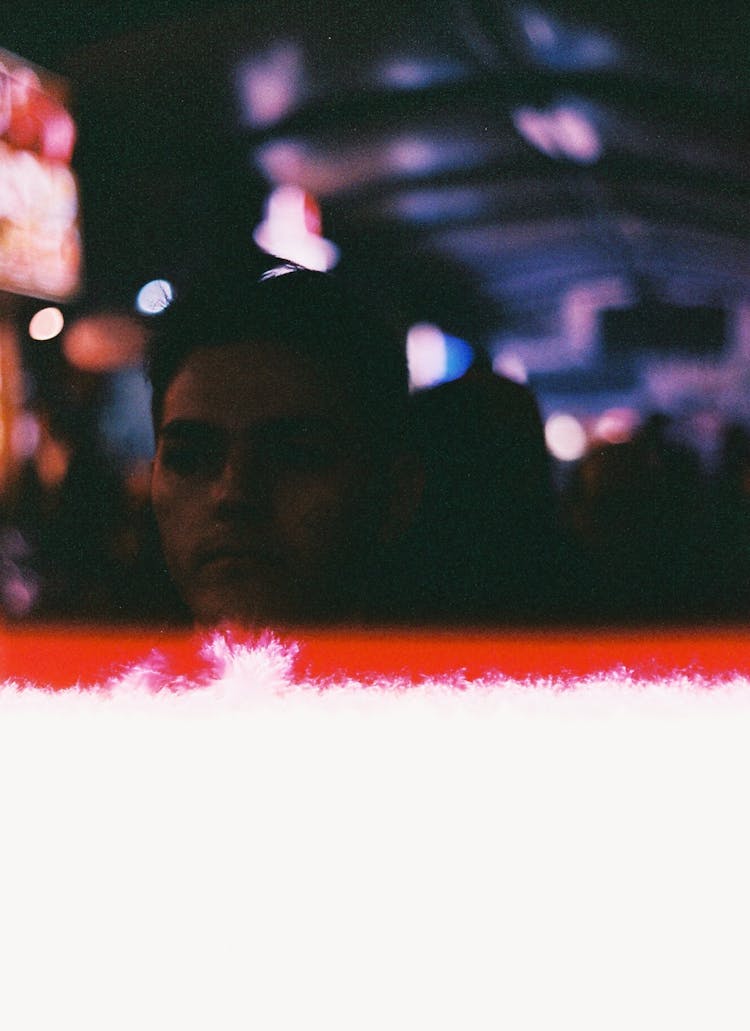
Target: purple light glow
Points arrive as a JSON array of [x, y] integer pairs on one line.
[[560, 132]]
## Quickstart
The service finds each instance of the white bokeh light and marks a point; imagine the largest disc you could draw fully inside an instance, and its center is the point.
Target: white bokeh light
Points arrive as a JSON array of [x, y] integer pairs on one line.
[[426, 355], [565, 437], [154, 296], [46, 324], [291, 229]]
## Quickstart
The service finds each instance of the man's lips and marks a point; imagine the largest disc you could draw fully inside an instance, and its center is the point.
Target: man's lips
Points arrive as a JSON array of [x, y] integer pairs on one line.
[[230, 554]]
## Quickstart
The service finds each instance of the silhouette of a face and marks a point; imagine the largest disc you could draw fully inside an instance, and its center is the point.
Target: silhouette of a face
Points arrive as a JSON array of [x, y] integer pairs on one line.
[[262, 486]]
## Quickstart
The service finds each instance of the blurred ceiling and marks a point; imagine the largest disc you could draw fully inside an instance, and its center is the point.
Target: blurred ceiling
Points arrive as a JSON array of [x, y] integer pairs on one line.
[[504, 169]]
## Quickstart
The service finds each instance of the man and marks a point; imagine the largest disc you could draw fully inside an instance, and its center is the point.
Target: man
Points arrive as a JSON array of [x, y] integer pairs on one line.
[[278, 483]]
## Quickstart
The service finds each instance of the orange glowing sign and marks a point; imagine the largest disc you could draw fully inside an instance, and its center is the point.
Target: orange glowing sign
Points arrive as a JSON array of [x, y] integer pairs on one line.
[[40, 243]]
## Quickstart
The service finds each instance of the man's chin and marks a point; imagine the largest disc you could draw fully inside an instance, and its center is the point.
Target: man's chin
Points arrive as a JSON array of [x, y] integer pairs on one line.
[[208, 614], [263, 610], [216, 606]]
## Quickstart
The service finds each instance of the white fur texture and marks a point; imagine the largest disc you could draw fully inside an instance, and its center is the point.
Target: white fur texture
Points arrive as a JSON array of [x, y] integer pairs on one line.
[[256, 852]]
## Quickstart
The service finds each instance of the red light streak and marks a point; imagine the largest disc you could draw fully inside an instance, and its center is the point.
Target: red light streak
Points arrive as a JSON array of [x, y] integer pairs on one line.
[[63, 656]]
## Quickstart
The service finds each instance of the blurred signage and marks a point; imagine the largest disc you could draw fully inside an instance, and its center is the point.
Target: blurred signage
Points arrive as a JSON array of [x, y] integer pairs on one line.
[[40, 243]]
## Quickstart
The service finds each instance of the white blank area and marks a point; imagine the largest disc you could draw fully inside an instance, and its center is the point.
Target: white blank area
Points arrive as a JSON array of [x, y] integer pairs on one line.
[[256, 853]]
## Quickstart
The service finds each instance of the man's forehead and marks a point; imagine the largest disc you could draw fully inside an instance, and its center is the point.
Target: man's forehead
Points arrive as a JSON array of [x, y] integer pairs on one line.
[[236, 384], [314, 427]]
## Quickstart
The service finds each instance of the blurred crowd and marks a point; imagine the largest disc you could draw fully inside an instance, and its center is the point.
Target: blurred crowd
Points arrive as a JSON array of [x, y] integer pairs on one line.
[[637, 531]]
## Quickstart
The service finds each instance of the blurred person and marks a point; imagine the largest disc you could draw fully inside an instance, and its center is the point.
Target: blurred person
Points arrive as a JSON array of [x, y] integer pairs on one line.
[[731, 496], [642, 514], [63, 516], [280, 480], [488, 538]]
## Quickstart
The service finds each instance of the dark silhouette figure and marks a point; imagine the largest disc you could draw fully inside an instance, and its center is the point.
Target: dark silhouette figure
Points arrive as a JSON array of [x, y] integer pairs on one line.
[[641, 512], [486, 547], [731, 523]]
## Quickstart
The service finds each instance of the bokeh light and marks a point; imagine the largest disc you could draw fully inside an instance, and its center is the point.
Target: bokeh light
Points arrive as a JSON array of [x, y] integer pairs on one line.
[[412, 71], [616, 425], [435, 357], [565, 437], [25, 436], [154, 296], [46, 324], [291, 229], [271, 84], [577, 135], [104, 342], [459, 357], [564, 131], [509, 363], [426, 355], [413, 155]]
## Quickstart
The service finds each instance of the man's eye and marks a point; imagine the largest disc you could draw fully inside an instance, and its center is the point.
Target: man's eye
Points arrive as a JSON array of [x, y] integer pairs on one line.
[[301, 455], [192, 460]]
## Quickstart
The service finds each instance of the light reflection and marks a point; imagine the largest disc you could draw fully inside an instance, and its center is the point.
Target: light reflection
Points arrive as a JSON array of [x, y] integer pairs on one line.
[[426, 355], [413, 155], [565, 437], [539, 29], [435, 357], [428, 206], [271, 84], [25, 436], [154, 297], [564, 131], [291, 229], [616, 425], [283, 161], [566, 47], [510, 364], [417, 72], [408, 154], [577, 136], [46, 324], [326, 168]]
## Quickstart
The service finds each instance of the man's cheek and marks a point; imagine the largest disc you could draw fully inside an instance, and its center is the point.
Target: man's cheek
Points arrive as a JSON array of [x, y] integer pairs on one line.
[[176, 518], [313, 523]]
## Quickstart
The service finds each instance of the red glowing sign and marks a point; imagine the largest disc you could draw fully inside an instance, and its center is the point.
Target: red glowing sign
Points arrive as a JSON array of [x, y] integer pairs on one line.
[[40, 244]]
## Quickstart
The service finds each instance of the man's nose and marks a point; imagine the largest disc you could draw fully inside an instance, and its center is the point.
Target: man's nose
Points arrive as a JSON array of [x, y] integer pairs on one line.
[[241, 485]]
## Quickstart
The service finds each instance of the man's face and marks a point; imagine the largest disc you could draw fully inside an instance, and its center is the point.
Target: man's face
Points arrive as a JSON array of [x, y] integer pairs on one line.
[[261, 486]]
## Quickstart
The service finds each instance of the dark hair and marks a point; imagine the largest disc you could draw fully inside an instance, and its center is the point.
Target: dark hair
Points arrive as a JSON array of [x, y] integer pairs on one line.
[[320, 316]]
